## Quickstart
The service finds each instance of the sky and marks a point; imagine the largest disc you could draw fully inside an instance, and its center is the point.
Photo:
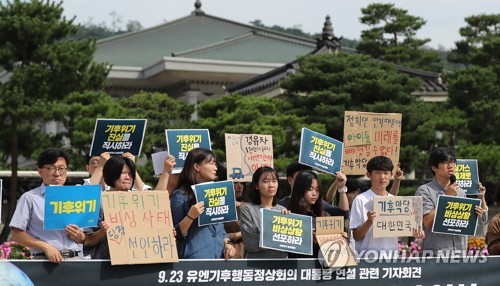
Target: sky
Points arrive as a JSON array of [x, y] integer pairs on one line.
[[444, 17]]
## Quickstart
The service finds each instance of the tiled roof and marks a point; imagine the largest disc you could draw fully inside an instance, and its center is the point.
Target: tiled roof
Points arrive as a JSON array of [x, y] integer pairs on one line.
[[431, 81], [201, 36]]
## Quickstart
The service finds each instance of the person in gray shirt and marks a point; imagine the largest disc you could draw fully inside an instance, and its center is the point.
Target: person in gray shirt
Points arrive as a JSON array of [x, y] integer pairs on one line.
[[442, 162], [263, 193]]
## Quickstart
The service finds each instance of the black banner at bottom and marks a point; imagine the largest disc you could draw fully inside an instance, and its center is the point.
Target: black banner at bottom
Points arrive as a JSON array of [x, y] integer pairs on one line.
[[463, 271]]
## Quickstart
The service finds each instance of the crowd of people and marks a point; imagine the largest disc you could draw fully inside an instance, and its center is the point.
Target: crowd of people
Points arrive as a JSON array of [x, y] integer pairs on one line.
[[240, 239]]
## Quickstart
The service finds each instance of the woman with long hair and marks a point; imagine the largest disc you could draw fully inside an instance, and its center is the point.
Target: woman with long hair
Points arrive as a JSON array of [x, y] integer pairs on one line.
[[119, 173], [193, 241], [263, 193], [306, 200]]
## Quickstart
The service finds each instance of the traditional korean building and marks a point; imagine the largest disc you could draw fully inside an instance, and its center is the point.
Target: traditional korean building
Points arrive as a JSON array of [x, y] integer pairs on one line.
[[201, 56]]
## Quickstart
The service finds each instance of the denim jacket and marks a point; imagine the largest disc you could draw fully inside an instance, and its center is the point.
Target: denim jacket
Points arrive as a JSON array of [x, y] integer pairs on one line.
[[201, 242]]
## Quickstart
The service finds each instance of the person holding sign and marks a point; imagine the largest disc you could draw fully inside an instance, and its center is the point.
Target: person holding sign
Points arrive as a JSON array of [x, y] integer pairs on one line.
[[306, 200], [340, 185], [293, 170], [28, 219], [119, 174], [95, 167], [263, 193], [193, 241], [379, 171], [442, 163], [232, 228]]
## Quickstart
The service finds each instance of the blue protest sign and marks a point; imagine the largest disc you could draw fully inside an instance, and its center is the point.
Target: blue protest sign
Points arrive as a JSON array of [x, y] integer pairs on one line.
[[467, 175], [290, 233], [181, 141], [220, 202], [118, 136], [72, 205], [320, 151], [455, 215]]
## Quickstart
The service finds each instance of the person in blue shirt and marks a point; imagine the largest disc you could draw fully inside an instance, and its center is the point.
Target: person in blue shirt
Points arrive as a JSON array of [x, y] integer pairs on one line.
[[27, 222], [193, 241]]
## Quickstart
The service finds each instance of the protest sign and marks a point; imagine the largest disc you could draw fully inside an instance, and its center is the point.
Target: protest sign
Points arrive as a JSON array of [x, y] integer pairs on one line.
[[467, 175], [455, 215], [219, 199], [117, 136], [397, 215], [181, 141], [334, 249], [367, 135], [71, 205], [140, 227], [320, 151], [245, 153], [158, 159], [290, 233]]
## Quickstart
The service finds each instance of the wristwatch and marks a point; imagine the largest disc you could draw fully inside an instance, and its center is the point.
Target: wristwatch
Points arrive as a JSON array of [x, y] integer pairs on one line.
[[343, 190]]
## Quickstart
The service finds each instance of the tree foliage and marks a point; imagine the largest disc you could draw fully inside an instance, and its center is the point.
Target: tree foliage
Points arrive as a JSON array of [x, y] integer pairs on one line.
[[254, 115], [43, 67], [336, 83], [161, 111], [476, 89], [480, 43], [392, 37]]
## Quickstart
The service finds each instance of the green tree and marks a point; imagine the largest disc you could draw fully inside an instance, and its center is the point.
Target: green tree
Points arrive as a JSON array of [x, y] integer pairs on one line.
[[78, 112], [254, 115], [476, 91], [480, 44], [43, 68], [335, 83], [392, 37], [162, 112]]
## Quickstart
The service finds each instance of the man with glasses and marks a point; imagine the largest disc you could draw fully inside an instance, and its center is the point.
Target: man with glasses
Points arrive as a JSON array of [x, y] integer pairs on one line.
[[27, 222], [442, 162]]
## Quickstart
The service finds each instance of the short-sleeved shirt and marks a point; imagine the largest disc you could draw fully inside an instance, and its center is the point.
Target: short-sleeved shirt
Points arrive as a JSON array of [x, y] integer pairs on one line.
[[359, 214], [441, 241], [200, 242], [29, 217]]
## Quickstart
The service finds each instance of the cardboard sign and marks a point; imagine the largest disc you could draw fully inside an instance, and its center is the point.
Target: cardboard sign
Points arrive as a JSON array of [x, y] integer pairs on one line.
[[71, 205], [290, 233], [181, 141], [455, 215], [367, 135], [118, 136], [320, 151], [467, 175], [220, 202], [140, 227], [397, 215], [334, 249], [245, 153]]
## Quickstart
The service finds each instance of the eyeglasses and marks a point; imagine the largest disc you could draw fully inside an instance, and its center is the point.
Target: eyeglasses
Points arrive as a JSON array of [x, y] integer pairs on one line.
[[449, 163], [53, 170], [94, 162]]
